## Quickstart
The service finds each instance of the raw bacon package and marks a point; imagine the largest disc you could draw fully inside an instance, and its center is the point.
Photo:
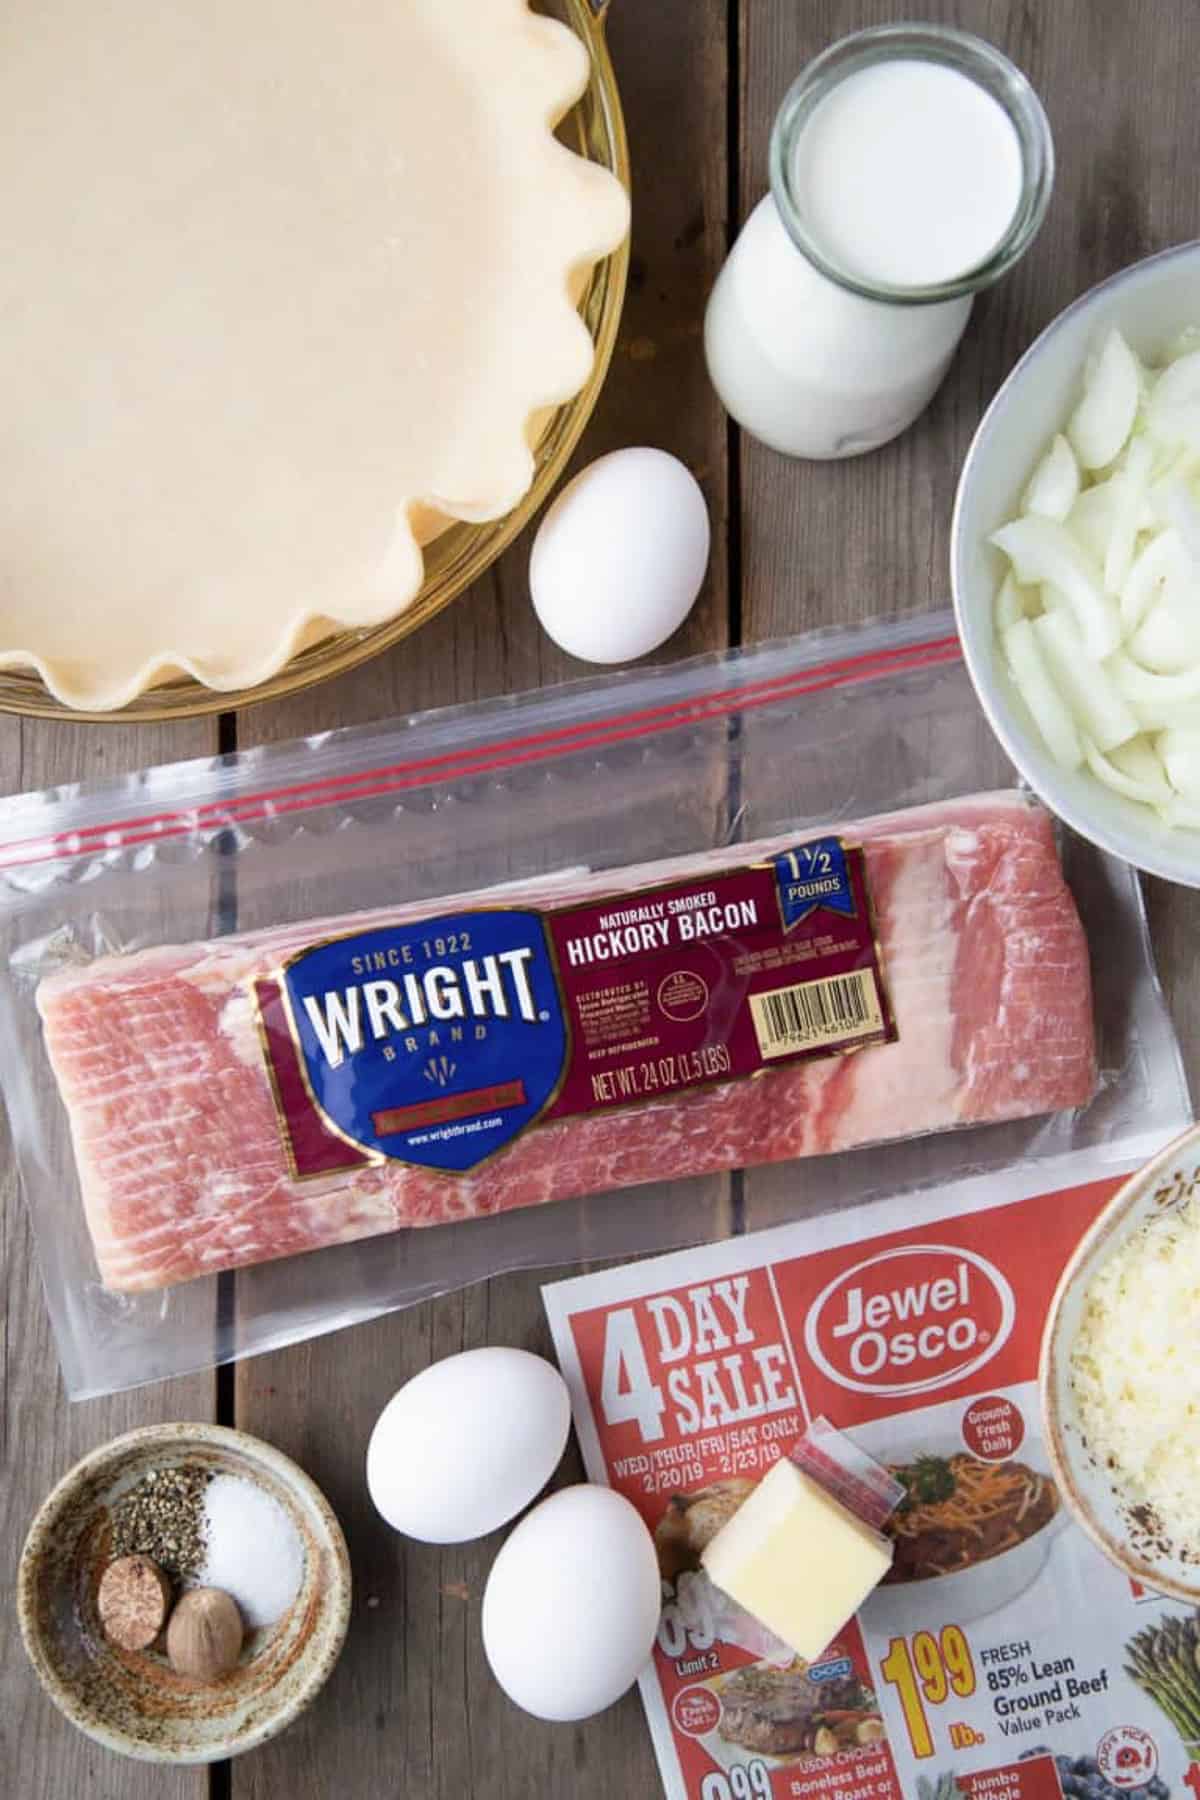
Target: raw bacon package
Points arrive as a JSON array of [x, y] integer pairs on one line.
[[299, 1036]]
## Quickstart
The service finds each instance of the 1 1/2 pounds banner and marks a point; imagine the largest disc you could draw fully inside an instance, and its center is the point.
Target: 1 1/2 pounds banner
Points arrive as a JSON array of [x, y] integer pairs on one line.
[[992, 1662]]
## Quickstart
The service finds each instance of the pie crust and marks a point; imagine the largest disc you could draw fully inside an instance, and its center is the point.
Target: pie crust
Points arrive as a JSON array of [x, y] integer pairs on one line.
[[284, 289]]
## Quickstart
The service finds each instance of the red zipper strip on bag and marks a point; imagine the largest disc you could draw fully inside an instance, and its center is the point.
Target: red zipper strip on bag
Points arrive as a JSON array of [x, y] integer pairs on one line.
[[487, 759], [661, 718]]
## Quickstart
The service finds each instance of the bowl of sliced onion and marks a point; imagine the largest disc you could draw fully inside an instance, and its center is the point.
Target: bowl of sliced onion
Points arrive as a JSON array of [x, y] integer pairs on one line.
[[1076, 564]]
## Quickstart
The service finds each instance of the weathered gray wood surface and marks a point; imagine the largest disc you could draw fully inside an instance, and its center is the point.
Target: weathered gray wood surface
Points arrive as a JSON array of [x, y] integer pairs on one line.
[[411, 1710], [41, 1435]]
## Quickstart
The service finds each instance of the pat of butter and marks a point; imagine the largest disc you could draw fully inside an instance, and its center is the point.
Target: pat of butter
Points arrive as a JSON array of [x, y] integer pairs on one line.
[[797, 1559]]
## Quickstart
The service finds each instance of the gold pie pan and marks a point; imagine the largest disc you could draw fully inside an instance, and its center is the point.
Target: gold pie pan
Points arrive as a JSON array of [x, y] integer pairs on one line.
[[458, 555]]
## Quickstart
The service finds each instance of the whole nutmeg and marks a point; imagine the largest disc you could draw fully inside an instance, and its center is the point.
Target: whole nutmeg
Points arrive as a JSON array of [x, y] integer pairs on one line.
[[204, 1634], [132, 1601]]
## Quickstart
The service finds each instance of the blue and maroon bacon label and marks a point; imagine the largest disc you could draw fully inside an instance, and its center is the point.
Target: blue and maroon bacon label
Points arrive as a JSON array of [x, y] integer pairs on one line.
[[439, 1041]]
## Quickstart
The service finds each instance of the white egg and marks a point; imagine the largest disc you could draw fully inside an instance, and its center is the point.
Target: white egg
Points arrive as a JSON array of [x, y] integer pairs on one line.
[[571, 1607], [619, 558], [467, 1443]]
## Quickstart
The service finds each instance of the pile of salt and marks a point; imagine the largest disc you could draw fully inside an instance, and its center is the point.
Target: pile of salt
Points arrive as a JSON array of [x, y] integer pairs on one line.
[[252, 1549]]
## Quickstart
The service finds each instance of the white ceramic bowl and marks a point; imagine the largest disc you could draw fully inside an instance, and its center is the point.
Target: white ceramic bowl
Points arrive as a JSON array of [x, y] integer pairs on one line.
[[984, 1587], [1150, 302], [1084, 1485]]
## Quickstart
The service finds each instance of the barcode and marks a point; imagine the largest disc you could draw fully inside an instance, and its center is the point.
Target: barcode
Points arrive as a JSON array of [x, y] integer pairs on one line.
[[839, 1009]]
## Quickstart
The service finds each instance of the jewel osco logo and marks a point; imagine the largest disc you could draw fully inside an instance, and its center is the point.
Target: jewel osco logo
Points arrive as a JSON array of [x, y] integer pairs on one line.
[[434, 1043], [909, 1320]]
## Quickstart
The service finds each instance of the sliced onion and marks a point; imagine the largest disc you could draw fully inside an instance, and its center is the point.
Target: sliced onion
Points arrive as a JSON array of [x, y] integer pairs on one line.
[[1040, 695], [1173, 411], [1158, 700], [1103, 420], [1054, 488], [1179, 430], [1179, 752], [1183, 511], [1042, 550], [1168, 639], [1178, 385], [1171, 468], [1147, 576], [1139, 761], [1131, 484], [1128, 773], [1013, 602], [1091, 519], [1089, 691]]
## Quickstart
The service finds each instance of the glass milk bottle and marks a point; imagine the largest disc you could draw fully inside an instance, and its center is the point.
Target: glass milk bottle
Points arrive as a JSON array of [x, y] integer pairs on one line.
[[911, 166]]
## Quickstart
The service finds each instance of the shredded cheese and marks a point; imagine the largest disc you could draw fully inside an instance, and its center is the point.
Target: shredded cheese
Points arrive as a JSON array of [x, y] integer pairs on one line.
[[1135, 1368]]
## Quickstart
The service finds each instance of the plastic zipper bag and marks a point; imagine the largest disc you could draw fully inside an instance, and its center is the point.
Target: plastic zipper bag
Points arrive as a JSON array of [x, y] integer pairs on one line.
[[214, 884]]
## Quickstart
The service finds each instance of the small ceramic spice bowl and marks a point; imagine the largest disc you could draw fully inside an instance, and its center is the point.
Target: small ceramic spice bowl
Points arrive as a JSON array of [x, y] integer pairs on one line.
[[135, 1702]]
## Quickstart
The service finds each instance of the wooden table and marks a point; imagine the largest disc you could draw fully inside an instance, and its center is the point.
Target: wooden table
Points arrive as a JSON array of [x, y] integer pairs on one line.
[[411, 1709]]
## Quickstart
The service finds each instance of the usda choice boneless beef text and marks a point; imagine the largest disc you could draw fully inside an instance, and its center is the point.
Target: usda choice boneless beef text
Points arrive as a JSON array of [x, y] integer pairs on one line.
[[182, 1166]]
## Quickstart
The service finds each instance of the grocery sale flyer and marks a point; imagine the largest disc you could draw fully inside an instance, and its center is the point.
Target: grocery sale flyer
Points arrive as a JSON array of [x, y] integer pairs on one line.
[[1003, 1658]]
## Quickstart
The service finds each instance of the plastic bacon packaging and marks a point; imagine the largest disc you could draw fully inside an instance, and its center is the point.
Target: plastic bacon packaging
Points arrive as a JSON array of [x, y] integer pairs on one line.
[[626, 935], [356, 1075]]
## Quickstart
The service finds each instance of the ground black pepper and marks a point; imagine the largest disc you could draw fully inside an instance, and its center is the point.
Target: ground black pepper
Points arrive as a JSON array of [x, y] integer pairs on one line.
[[163, 1518]]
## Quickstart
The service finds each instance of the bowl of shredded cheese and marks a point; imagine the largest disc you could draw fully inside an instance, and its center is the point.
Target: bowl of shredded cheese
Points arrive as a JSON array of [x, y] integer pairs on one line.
[[1120, 1375]]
